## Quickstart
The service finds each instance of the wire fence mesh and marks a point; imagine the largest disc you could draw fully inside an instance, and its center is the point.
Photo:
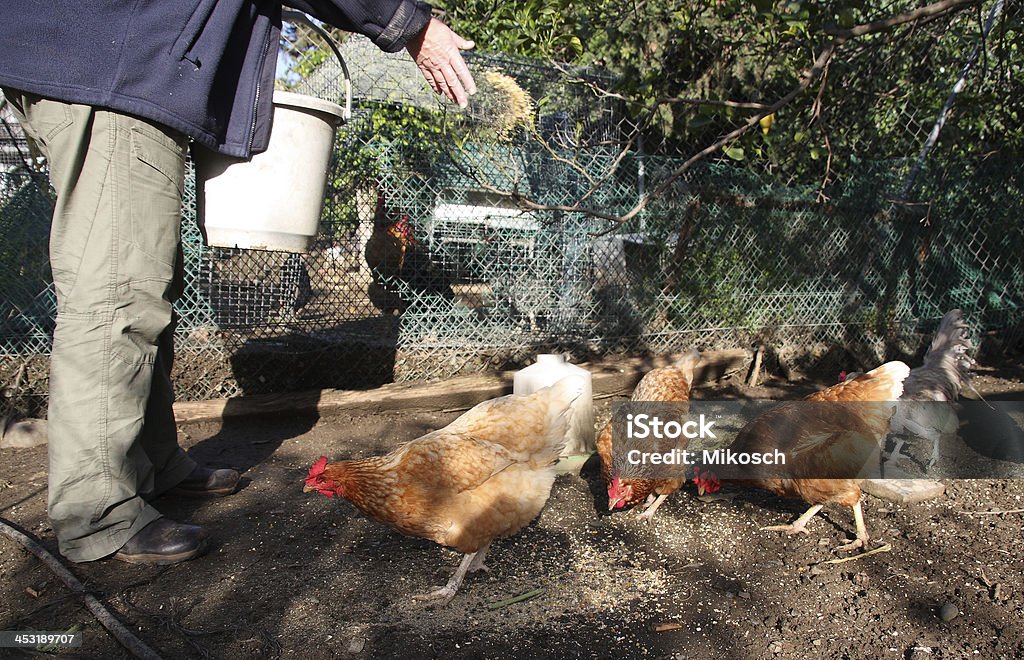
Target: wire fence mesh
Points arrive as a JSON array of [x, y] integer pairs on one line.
[[424, 269]]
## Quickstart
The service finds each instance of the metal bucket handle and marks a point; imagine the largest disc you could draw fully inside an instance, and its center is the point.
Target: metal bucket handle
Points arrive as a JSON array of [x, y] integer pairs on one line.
[[292, 15]]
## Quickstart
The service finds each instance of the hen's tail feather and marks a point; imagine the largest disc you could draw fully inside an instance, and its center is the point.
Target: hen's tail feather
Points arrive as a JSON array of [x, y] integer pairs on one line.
[[947, 365], [536, 424], [889, 380]]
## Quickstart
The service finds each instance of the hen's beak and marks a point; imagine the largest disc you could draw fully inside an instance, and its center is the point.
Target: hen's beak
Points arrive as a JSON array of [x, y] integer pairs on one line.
[[614, 503], [700, 490], [307, 488]]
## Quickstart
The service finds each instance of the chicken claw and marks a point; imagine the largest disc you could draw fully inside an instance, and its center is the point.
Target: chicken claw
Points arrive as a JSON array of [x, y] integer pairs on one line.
[[477, 565], [852, 545], [788, 529], [797, 526], [652, 505], [471, 563], [862, 532], [443, 594], [647, 516]]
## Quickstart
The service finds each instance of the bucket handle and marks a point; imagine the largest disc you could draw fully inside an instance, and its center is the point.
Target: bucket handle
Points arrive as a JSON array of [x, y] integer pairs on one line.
[[292, 16]]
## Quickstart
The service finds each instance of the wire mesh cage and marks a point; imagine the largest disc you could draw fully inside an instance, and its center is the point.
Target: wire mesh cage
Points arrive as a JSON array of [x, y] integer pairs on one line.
[[452, 241], [27, 304]]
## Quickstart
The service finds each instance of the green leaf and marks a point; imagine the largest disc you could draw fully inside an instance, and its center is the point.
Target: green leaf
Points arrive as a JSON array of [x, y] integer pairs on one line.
[[735, 152]]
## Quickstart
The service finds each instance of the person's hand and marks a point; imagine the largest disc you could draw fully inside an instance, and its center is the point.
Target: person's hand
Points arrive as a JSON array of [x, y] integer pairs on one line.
[[436, 53]]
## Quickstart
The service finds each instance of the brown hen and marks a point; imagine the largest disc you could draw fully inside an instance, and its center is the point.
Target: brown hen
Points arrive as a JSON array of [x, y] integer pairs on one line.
[[671, 383], [823, 440], [401, 266], [484, 476]]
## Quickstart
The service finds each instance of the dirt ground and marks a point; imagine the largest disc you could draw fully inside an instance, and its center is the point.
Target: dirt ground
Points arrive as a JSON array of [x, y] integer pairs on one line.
[[299, 575]]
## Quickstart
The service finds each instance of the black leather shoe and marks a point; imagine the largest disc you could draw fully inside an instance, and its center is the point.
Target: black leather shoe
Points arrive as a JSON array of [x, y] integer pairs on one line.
[[204, 482], [163, 542]]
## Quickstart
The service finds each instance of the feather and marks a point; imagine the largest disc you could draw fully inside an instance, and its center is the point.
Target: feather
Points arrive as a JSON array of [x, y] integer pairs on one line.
[[946, 364]]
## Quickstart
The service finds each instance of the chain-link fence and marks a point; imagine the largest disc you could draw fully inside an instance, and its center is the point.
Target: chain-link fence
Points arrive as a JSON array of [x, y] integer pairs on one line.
[[429, 263]]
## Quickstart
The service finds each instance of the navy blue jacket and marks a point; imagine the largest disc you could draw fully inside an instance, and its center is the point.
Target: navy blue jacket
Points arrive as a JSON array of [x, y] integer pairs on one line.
[[203, 67]]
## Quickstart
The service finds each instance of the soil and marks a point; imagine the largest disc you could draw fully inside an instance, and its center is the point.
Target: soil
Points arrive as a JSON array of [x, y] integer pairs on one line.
[[299, 575]]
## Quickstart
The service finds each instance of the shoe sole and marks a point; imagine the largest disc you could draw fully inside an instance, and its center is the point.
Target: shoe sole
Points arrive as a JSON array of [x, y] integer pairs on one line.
[[162, 560]]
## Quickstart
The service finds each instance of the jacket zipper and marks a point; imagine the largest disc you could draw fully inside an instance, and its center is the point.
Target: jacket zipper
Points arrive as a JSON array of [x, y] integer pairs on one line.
[[259, 84]]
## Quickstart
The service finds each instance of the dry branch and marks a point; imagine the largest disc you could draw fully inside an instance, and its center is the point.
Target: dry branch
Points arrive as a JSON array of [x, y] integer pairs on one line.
[[929, 11], [135, 646]]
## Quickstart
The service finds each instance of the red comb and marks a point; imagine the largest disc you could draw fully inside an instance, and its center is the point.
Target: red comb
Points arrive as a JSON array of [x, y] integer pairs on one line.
[[706, 480], [318, 467]]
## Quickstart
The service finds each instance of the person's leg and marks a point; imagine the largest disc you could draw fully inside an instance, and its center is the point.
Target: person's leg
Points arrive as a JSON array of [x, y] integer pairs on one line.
[[168, 464], [159, 431], [113, 245], [174, 471]]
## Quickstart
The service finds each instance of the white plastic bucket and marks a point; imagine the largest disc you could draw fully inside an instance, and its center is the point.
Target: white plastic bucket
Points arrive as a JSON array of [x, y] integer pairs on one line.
[[272, 201], [548, 370]]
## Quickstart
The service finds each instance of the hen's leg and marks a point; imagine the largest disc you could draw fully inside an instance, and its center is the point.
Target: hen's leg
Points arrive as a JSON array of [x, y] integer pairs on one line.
[[934, 435], [478, 560], [894, 456], [797, 526], [447, 592], [648, 513], [862, 531]]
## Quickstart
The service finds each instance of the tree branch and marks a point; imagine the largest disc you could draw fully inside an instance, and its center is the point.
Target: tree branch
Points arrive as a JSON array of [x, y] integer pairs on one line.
[[745, 105], [807, 77], [928, 11]]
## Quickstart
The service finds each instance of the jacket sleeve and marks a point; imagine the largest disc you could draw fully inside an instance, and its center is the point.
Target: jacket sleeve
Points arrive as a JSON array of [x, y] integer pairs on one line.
[[390, 24]]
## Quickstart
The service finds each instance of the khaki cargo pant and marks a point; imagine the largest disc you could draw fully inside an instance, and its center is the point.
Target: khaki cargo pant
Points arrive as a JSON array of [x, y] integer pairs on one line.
[[115, 256]]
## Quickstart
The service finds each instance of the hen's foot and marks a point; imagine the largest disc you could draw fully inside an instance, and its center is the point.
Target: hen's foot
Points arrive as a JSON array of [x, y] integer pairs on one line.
[[788, 529], [477, 563], [478, 567], [443, 594], [473, 561], [862, 531], [647, 515], [853, 545], [797, 526], [652, 506]]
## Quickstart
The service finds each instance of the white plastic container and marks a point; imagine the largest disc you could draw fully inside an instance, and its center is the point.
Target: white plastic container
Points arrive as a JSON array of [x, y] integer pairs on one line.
[[272, 201], [548, 370]]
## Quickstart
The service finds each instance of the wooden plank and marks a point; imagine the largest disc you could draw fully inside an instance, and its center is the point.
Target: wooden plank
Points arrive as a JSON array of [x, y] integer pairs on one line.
[[453, 393], [613, 376]]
